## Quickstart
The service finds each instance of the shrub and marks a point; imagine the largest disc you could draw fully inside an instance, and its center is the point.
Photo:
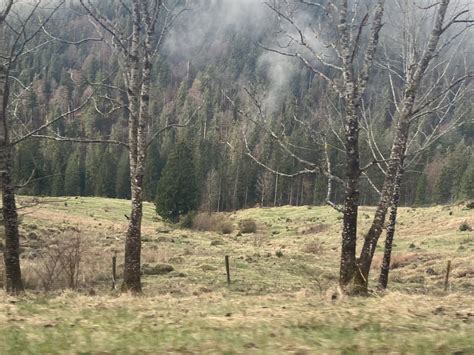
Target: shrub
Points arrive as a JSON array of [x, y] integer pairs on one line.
[[187, 220], [465, 227], [205, 222], [247, 226], [226, 227], [212, 223], [60, 263]]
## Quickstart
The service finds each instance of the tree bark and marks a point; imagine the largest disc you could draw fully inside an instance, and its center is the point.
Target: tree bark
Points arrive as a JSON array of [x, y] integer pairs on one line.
[[351, 204], [414, 77], [11, 255], [14, 283], [385, 268], [132, 265], [139, 98]]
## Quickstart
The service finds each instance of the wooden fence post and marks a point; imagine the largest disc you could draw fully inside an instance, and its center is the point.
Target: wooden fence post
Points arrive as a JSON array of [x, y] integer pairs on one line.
[[446, 280], [227, 269], [114, 272]]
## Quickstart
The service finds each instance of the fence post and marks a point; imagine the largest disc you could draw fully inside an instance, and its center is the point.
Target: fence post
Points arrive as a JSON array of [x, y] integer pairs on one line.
[[227, 269], [114, 271], [446, 280]]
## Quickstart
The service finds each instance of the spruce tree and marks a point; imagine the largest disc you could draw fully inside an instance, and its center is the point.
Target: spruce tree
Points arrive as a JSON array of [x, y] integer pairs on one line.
[[72, 178], [444, 185], [467, 182], [106, 175], [177, 192]]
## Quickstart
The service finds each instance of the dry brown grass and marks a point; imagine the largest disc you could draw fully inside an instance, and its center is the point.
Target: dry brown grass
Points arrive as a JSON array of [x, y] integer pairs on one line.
[[313, 247], [215, 222], [398, 260], [313, 229]]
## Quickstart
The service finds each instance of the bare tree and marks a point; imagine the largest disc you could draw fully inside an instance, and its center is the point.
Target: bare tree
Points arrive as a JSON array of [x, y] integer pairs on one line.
[[345, 66], [14, 283], [136, 41], [18, 30], [413, 105]]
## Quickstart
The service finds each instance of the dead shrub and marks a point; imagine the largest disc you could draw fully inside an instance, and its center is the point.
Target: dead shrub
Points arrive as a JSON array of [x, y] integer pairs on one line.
[[247, 226], [212, 223], [58, 265]]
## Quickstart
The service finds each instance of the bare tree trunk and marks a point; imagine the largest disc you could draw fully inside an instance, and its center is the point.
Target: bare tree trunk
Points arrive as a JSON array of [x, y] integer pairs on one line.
[[351, 205], [139, 97], [14, 284], [385, 268], [398, 150], [11, 254], [132, 268]]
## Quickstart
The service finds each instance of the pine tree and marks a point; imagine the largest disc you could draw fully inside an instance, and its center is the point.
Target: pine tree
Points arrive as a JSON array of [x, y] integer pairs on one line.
[[177, 192]]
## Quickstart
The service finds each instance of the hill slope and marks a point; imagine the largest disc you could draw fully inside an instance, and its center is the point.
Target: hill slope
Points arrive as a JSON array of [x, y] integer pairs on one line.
[[280, 298]]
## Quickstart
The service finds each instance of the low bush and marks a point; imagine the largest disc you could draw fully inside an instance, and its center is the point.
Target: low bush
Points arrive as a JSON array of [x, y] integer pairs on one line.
[[247, 226], [187, 220], [225, 227], [212, 223], [59, 263]]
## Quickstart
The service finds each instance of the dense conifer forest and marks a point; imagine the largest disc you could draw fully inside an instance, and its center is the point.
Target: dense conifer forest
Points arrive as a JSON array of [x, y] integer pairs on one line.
[[213, 56]]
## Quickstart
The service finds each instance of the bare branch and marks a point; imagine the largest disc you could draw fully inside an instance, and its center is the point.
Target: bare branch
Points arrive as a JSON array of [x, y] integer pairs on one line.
[[51, 122], [59, 138]]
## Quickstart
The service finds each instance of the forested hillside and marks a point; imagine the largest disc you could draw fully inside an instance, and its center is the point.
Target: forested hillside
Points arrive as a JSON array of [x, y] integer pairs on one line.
[[211, 76], [140, 139]]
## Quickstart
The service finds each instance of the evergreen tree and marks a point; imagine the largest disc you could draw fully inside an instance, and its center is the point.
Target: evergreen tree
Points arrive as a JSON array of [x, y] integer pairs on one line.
[[154, 165], [421, 197], [177, 192], [444, 185], [106, 176], [72, 178], [122, 182], [467, 182]]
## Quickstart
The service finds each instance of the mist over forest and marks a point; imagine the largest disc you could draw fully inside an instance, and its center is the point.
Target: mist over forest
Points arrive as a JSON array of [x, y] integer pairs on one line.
[[269, 176], [215, 51]]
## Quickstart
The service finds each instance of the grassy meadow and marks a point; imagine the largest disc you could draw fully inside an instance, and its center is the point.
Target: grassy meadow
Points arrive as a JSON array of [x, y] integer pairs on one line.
[[281, 298]]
